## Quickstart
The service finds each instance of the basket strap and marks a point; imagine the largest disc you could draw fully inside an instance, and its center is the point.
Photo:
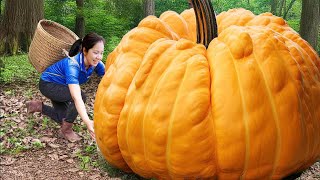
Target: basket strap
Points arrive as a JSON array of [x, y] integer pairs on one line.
[[67, 54]]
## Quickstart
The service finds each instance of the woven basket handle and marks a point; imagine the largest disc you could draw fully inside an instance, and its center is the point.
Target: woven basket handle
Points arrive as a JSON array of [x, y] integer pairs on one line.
[[67, 54]]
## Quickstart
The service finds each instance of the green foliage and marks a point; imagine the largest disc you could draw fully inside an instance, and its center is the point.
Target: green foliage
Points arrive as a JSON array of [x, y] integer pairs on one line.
[[61, 11], [85, 161], [100, 17], [294, 24], [112, 43], [114, 18], [17, 69], [86, 157], [65, 9], [132, 10], [2, 7], [115, 172], [174, 5], [15, 140]]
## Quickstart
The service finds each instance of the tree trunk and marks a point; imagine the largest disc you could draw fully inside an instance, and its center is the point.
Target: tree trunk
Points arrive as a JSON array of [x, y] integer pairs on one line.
[[190, 4], [20, 19], [274, 7], [149, 7], [80, 21], [309, 24]]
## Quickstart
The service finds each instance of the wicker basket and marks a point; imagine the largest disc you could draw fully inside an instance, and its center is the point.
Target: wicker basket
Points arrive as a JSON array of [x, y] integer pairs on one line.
[[47, 44]]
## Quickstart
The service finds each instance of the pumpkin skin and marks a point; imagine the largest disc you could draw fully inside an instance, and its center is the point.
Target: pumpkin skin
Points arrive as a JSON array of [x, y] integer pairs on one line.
[[246, 107]]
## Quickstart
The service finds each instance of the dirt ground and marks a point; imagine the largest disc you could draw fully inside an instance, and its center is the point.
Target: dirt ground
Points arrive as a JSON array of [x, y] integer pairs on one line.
[[44, 154]]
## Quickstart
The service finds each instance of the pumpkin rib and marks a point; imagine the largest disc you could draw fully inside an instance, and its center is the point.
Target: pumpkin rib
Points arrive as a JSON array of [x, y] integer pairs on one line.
[[217, 103], [244, 114], [175, 22], [274, 108], [155, 23], [309, 152], [275, 115], [189, 18], [170, 127], [157, 84], [245, 118], [174, 113], [284, 61], [170, 45], [167, 44], [153, 31], [279, 143], [303, 101], [245, 122], [312, 58], [311, 84], [146, 66], [130, 35]]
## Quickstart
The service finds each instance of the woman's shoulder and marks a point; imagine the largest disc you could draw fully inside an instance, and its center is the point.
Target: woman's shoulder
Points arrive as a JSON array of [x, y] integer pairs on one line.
[[74, 61]]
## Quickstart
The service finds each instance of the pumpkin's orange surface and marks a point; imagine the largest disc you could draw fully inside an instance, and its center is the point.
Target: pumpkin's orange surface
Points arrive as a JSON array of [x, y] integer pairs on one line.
[[248, 106]]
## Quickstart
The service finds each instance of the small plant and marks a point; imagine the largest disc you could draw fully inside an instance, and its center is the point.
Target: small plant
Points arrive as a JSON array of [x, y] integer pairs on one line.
[[84, 160], [10, 92], [2, 132], [37, 145], [28, 93], [115, 172], [2, 148], [31, 125], [90, 149], [44, 123], [15, 146]]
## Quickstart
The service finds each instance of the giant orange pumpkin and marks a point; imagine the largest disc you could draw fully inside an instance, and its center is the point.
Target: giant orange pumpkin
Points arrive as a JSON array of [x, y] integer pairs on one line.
[[248, 106]]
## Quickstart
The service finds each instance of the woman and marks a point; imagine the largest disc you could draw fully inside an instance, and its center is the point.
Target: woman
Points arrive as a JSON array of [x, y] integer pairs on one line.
[[61, 81]]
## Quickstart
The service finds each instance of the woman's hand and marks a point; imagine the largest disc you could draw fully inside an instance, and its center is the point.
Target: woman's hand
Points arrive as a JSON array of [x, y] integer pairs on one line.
[[76, 96], [90, 128]]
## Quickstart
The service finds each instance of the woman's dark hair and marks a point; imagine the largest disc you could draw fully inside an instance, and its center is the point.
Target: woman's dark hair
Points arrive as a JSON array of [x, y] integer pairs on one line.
[[87, 42]]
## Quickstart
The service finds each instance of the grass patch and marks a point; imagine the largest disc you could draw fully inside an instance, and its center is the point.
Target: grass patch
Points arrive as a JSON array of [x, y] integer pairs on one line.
[[17, 69], [115, 172], [14, 139], [90, 157]]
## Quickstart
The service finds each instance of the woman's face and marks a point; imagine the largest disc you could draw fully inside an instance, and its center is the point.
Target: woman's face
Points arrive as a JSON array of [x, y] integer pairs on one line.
[[94, 55]]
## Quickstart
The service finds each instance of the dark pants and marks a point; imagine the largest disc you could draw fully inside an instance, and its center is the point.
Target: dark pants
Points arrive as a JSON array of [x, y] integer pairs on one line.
[[63, 105]]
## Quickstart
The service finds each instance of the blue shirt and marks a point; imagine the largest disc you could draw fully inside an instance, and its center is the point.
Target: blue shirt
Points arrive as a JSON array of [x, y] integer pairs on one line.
[[68, 71]]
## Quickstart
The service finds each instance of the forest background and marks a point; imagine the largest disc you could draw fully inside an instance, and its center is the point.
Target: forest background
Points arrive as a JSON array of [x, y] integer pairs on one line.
[[114, 18]]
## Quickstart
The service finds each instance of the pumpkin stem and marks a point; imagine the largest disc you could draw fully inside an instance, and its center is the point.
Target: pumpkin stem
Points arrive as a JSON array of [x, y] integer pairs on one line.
[[206, 21]]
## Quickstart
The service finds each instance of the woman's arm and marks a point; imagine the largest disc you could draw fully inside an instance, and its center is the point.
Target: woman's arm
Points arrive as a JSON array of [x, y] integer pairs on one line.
[[80, 106]]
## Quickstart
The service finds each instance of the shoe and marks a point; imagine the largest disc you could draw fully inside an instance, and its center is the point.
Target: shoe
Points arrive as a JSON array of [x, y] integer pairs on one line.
[[67, 132], [34, 106]]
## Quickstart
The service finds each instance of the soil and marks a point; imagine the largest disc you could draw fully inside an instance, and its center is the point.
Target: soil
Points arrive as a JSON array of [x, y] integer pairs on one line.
[[56, 158]]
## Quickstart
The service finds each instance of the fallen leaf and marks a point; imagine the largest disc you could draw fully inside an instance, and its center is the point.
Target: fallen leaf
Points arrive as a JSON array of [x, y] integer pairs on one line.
[[70, 161], [45, 139], [8, 161], [53, 156], [97, 176], [53, 145], [63, 157], [73, 170], [36, 141]]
